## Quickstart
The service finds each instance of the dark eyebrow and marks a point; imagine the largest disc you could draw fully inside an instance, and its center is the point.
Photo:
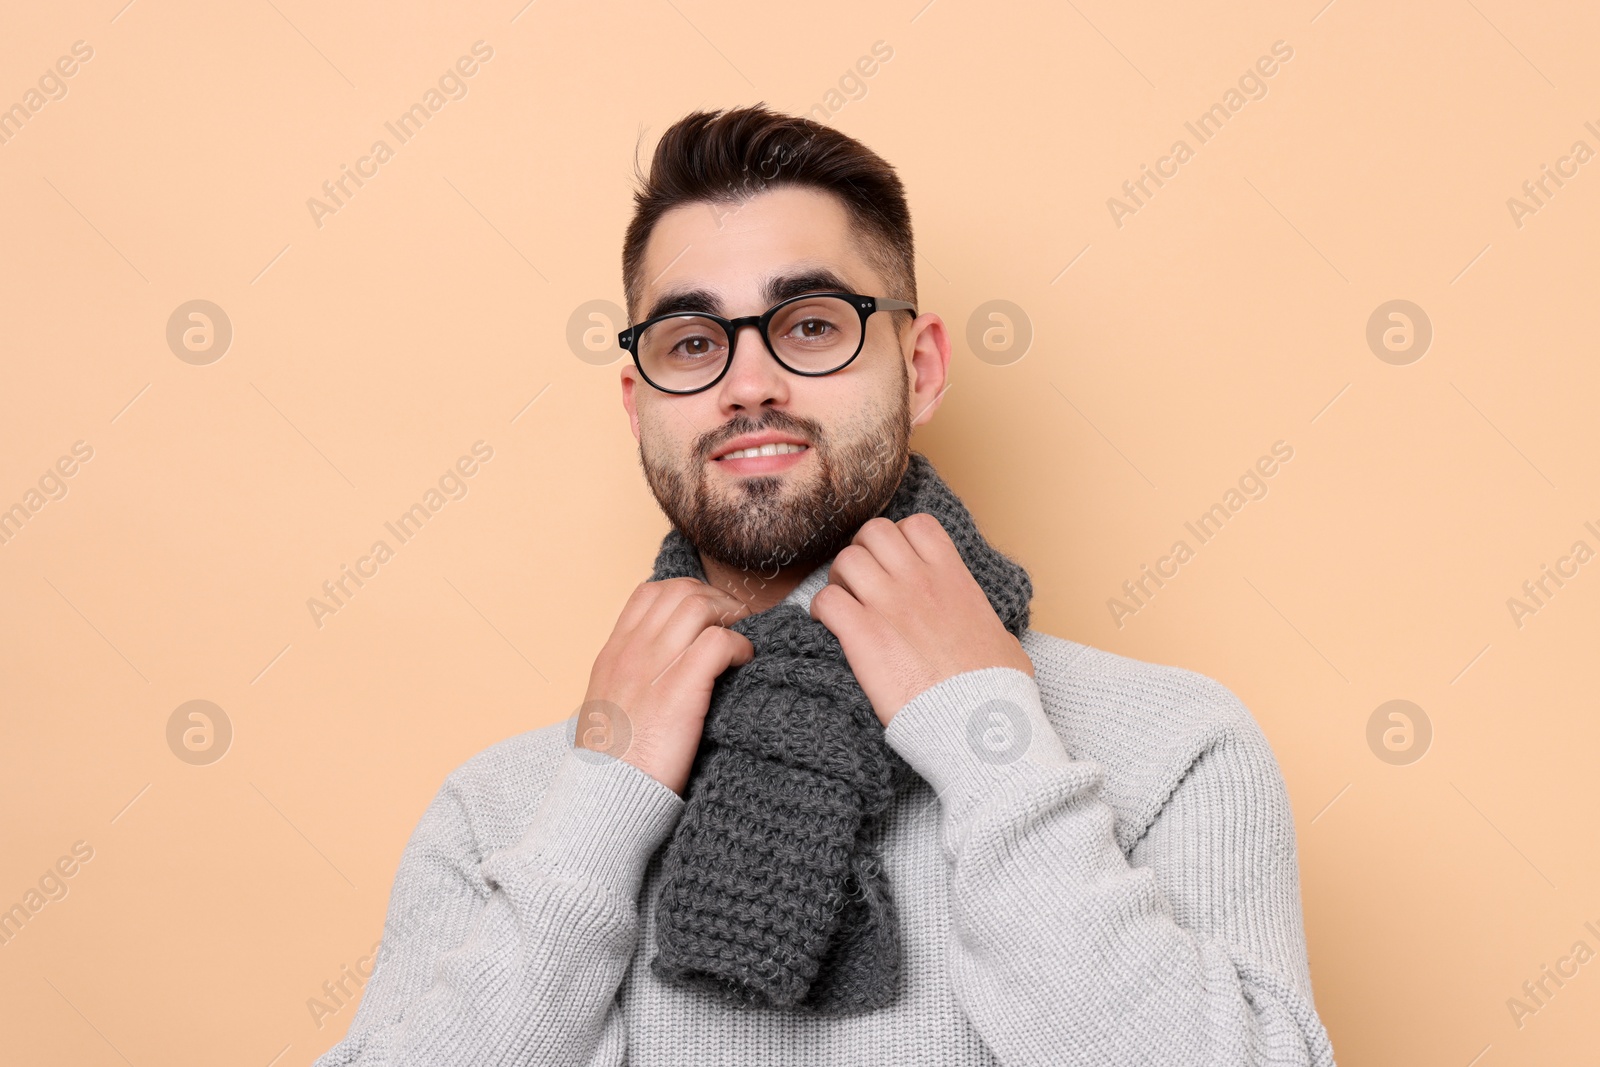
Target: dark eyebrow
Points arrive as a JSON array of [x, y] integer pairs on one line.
[[685, 300], [777, 288], [820, 280]]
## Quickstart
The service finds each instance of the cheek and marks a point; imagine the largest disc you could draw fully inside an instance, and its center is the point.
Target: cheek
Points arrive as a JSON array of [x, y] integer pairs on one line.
[[667, 430], [889, 387], [854, 416]]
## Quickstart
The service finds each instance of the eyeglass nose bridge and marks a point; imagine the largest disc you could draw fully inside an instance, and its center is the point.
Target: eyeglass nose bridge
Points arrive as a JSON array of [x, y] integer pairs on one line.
[[734, 326]]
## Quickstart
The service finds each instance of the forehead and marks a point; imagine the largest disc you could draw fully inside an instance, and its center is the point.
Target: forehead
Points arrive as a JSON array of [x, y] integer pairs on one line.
[[732, 249]]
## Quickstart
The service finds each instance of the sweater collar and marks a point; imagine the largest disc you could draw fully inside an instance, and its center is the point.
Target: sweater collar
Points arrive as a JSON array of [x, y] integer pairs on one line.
[[809, 587]]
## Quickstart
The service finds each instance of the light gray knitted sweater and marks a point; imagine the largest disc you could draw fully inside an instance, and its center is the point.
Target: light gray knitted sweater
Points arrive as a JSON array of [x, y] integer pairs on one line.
[[1125, 892]]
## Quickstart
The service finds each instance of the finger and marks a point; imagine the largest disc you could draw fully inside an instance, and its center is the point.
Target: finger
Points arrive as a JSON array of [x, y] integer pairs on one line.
[[638, 603], [858, 571], [888, 545], [708, 655], [836, 608], [730, 607], [693, 615], [929, 539], [669, 594], [743, 649]]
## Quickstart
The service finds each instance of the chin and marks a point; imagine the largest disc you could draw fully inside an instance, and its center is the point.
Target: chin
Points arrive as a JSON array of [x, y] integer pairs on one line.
[[763, 522]]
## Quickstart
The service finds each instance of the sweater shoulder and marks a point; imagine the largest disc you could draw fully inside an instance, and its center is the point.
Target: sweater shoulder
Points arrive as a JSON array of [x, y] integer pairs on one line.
[[496, 791], [1148, 724], [1094, 690]]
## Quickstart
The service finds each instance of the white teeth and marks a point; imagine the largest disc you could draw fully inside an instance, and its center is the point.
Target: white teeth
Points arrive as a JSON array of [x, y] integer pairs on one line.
[[765, 450]]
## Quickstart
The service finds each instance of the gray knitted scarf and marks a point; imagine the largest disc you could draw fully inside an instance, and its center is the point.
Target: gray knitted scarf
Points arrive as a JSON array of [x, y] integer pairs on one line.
[[773, 891]]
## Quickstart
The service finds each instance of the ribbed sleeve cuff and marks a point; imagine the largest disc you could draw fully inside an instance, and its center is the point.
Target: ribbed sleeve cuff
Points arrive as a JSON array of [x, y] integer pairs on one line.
[[973, 731], [600, 819]]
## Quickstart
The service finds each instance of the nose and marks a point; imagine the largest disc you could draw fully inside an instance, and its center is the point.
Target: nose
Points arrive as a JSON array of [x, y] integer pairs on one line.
[[754, 378]]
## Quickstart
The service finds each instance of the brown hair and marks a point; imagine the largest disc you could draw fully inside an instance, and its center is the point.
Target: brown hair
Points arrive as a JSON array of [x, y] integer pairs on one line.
[[729, 156]]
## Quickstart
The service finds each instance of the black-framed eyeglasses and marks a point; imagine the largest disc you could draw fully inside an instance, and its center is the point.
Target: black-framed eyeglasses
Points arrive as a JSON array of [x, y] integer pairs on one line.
[[812, 334]]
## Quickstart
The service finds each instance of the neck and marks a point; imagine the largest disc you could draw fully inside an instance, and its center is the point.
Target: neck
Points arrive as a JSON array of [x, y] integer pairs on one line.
[[757, 590]]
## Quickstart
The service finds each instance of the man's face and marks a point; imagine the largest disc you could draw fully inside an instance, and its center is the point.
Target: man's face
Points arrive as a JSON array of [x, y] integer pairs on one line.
[[765, 512]]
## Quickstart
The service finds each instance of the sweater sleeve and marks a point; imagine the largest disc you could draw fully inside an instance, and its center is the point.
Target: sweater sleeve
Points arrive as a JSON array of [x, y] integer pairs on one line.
[[1190, 950], [514, 956]]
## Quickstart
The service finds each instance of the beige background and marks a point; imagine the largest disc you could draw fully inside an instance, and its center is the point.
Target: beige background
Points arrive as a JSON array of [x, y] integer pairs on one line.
[[432, 309]]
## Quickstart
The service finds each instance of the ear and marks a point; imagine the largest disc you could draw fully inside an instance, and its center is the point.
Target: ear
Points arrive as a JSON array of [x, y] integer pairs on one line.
[[629, 383], [928, 359]]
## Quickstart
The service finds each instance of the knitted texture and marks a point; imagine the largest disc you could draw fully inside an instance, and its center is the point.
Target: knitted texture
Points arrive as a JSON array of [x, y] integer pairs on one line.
[[774, 893], [1125, 892]]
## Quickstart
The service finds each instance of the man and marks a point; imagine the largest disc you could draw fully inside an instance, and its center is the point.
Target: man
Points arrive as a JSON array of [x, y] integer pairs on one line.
[[832, 801]]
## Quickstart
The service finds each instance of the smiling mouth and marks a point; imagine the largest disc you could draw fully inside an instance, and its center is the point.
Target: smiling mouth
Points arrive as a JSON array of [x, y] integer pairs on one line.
[[774, 449]]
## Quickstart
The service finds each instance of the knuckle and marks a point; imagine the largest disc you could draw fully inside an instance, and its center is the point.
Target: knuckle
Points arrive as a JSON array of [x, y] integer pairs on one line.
[[681, 589], [849, 555], [710, 642], [696, 607]]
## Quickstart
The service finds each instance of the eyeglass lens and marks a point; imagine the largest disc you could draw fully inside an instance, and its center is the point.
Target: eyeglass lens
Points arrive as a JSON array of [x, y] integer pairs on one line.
[[812, 336]]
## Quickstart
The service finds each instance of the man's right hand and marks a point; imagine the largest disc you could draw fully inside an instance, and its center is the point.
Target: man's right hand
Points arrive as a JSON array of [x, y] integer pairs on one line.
[[655, 675]]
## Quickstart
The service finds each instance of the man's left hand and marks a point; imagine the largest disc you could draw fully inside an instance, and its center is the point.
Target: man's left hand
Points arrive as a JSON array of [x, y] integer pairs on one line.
[[909, 614]]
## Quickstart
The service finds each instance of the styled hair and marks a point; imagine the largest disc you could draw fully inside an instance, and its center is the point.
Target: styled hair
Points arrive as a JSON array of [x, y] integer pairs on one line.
[[726, 157]]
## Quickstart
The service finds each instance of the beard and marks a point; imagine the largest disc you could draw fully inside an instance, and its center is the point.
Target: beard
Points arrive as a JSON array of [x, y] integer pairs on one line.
[[762, 523]]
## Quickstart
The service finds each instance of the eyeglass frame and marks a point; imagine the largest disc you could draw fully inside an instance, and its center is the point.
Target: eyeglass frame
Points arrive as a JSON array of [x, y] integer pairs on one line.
[[864, 305]]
